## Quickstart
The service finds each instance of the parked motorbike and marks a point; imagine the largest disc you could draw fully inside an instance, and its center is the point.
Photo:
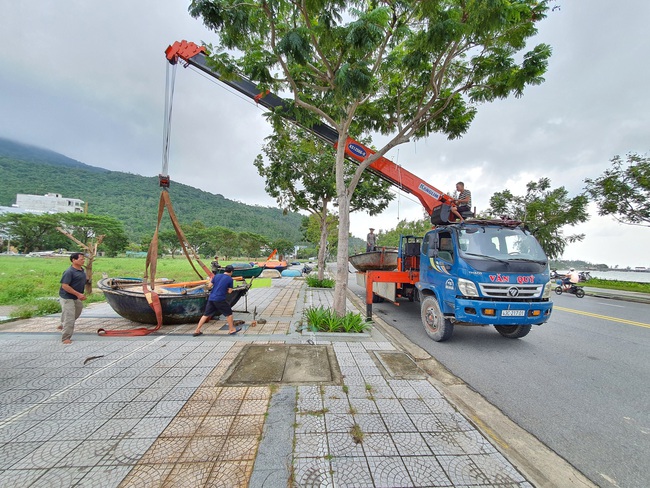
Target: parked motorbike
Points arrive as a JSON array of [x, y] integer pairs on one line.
[[573, 289], [584, 276], [555, 274]]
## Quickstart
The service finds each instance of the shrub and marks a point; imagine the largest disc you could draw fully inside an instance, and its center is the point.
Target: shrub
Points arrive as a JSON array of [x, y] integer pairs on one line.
[[316, 283], [320, 319]]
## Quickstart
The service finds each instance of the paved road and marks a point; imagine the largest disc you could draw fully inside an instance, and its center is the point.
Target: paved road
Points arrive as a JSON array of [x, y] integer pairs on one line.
[[580, 383]]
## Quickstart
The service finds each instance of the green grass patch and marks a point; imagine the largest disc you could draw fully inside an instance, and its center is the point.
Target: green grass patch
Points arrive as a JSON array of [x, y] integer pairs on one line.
[[320, 319], [314, 282], [617, 285], [24, 280]]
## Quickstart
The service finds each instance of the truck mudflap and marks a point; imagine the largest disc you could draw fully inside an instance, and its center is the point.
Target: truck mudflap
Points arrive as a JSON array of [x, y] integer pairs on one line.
[[502, 313]]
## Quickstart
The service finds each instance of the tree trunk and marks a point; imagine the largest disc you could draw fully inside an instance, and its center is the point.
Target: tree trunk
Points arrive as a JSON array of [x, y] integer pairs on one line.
[[88, 289], [322, 248], [340, 290]]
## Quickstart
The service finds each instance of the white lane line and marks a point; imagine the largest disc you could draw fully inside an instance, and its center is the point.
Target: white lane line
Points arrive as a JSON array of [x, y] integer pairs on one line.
[[610, 305]]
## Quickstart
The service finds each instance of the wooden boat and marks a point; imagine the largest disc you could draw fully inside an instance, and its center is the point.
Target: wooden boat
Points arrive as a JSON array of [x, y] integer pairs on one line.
[[277, 265], [381, 260], [243, 270], [181, 303]]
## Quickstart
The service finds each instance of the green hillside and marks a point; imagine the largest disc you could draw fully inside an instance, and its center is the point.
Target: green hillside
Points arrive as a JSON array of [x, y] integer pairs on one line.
[[132, 199]]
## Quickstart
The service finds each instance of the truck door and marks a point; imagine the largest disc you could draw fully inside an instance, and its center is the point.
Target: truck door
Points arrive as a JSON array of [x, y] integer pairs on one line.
[[437, 270]]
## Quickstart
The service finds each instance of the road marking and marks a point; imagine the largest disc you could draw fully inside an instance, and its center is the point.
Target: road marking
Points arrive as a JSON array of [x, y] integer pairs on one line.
[[610, 305], [604, 317]]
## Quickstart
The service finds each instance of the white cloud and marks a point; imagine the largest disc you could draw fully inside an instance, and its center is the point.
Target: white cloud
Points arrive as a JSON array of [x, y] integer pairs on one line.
[[87, 79]]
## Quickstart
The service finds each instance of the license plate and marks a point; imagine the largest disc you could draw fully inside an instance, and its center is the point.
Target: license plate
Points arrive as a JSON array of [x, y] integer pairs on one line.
[[513, 313]]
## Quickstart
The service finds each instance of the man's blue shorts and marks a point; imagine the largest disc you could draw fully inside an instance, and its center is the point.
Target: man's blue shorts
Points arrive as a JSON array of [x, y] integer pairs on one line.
[[217, 308]]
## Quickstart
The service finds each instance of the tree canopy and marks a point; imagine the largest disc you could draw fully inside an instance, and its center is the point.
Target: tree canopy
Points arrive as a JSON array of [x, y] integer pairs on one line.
[[545, 211], [300, 175], [405, 68], [623, 191]]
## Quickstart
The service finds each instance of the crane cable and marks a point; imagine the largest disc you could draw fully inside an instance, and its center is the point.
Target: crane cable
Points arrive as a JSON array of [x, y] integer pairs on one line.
[[170, 82], [148, 282]]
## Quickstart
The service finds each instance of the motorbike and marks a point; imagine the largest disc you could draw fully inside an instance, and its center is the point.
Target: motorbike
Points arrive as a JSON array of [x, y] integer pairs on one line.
[[573, 289], [584, 276]]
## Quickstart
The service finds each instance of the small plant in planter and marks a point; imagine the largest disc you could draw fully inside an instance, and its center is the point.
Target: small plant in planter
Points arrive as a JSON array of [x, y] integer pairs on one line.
[[316, 283], [320, 319]]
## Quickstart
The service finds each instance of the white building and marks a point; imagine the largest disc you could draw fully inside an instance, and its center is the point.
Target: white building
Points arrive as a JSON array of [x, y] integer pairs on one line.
[[48, 203]]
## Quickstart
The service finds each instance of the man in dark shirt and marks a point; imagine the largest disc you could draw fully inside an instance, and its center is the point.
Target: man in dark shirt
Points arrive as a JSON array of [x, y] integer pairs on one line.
[[217, 305], [71, 294]]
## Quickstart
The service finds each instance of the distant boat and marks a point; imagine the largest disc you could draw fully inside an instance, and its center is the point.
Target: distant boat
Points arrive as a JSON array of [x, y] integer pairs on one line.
[[181, 303], [243, 270], [380, 260], [277, 265]]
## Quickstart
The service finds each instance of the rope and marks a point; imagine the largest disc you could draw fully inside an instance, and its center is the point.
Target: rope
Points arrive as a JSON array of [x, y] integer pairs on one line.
[[149, 279]]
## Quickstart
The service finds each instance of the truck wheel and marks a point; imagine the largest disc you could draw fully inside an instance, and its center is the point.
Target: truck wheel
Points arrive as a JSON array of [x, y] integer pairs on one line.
[[376, 298], [558, 290], [513, 331], [580, 293], [435, 324]]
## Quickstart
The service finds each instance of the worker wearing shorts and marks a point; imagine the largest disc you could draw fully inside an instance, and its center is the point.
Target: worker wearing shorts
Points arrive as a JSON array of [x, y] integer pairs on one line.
[[222, 284]]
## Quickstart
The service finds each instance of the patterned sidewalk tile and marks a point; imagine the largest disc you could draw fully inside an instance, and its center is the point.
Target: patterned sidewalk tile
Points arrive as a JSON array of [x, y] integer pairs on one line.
[[389, 472], [458, 442], [311, 445], [426, 471], [313, 473], [352, 472]]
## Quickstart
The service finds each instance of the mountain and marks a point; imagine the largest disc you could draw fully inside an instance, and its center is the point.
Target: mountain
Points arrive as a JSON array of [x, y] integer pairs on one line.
[[130, 198]]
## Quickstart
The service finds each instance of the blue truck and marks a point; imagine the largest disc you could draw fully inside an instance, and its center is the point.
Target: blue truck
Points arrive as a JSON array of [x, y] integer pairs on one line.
[[483, 272]]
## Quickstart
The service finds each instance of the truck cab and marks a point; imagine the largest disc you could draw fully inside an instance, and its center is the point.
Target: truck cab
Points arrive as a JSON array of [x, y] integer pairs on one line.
[[483, 272]]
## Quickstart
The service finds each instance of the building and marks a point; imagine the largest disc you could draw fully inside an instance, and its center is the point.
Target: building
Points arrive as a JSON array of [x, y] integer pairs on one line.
[[48, 203]]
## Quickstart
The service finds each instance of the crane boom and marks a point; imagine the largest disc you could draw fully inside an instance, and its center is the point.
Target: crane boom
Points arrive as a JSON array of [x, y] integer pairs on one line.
[[435, 202]]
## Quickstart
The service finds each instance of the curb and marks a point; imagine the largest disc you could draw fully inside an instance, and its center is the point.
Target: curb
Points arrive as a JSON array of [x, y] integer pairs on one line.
[[612, 296], [540, 465]]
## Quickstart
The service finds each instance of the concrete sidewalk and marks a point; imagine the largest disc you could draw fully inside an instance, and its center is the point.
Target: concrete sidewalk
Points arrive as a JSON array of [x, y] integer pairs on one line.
[[164, 410]]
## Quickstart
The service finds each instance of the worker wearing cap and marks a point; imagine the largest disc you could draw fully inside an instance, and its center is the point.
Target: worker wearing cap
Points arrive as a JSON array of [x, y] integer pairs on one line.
[[371, 240]]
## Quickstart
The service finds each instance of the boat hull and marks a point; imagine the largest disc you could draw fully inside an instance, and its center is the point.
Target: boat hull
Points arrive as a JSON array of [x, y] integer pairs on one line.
[[384, 260], [181, 303], [277, 265], [250, 272]]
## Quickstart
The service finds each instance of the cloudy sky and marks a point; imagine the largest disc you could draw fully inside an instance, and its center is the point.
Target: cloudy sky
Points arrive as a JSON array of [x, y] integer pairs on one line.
[[87, 79]]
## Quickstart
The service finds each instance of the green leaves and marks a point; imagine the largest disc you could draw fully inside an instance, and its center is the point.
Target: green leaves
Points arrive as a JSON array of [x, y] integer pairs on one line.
[[623, 190], [545, 211], [320, 319]]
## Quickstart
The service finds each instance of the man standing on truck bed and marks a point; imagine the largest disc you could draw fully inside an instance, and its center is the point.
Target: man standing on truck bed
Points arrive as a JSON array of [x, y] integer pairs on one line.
[[464, 201], [371, 240]]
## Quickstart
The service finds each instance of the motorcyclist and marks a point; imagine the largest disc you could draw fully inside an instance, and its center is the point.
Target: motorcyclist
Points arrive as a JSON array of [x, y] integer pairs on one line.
[[572, 278]]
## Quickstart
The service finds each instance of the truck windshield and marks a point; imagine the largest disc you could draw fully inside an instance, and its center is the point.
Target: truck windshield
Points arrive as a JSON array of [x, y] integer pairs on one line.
[[503, 243]]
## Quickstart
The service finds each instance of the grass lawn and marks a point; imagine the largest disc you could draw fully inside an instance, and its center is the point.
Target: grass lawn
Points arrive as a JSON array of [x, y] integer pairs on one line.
[[24, 280]]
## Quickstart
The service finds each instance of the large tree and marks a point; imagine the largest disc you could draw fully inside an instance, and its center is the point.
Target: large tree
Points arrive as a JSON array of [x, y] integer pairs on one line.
[[27, 231], [545, 211], [623, 191], [300, 175], [89, 232], [403, 68], [404, 227]]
